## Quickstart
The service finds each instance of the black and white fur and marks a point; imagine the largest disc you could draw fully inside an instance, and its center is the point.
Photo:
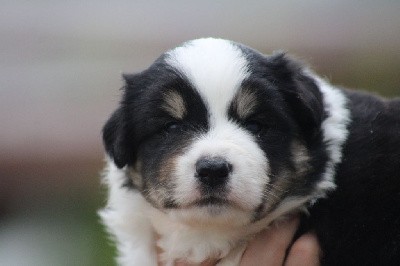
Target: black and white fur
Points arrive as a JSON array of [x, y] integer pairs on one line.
[[214, 141]]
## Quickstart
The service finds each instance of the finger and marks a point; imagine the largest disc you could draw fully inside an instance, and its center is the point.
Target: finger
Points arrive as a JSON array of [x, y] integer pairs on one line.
[[304, 252], [269, 247]]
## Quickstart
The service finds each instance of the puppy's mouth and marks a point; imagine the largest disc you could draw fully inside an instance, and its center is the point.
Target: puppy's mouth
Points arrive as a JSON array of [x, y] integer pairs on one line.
[[211, 201]]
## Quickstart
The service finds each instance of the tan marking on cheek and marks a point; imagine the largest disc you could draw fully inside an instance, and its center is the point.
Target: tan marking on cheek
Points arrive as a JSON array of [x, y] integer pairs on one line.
[[277, 190], [134, 174], [159, 193], [246, 102], [301, 158], [174, 104], [167, 169], [287, 179]]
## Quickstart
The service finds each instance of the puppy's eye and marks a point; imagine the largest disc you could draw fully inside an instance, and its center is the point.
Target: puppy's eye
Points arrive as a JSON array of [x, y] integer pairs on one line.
[[253, 126], [172, 126]]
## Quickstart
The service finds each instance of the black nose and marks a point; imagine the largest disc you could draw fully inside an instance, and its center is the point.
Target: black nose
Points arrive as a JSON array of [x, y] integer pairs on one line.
[[213, 171]]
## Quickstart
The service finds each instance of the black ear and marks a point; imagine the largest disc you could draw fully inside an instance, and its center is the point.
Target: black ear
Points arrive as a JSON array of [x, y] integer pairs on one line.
[[300, 92], [118, 137], [114, 138], [130, 79]]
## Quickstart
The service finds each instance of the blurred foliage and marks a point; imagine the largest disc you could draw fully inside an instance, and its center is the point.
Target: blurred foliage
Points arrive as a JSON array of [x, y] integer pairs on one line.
[[64, 230], [103, 249]]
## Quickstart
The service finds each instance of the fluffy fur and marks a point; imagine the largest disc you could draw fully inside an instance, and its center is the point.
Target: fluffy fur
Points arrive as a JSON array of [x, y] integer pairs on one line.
[[214, 141]]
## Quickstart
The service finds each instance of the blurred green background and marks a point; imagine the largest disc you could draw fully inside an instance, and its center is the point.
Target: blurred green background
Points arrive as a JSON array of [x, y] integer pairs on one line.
[[60, 66]]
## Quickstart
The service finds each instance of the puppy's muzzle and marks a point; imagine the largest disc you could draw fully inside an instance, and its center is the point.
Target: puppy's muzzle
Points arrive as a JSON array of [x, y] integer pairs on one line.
[[213, 172]]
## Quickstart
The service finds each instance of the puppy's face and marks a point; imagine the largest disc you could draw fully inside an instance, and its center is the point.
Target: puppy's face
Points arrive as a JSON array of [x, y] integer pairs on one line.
[[214, 130]]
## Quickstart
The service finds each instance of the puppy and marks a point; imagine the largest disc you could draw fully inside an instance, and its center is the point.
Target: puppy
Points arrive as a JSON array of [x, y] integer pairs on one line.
[[214, 141]]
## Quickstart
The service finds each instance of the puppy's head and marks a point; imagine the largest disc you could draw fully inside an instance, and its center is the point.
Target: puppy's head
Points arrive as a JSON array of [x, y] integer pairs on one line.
[[214, 130]]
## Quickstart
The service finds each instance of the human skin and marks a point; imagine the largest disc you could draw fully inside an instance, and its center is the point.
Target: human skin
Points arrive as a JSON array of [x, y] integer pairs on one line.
[[270, 247]]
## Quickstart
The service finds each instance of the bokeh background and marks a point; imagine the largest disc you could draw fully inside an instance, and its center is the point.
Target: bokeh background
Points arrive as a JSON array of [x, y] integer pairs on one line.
[[60, 66]]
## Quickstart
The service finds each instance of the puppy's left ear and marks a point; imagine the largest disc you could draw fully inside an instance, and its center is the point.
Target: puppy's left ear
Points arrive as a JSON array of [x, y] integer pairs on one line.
[[300, 92]]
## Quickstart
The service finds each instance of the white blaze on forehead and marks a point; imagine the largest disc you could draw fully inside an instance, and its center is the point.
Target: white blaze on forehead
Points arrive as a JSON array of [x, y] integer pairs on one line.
[[215, 67]]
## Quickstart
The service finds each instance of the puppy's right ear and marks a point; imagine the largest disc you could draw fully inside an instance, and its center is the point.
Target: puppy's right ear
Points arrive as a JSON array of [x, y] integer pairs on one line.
[[118, 138], [114, 138]]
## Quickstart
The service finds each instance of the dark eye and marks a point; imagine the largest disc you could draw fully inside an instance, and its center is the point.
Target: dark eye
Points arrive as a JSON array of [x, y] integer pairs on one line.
[[253, 126], [172, 126]]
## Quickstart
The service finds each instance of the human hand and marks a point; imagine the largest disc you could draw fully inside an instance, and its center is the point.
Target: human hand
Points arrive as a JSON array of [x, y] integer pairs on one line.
[[270, 247]]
